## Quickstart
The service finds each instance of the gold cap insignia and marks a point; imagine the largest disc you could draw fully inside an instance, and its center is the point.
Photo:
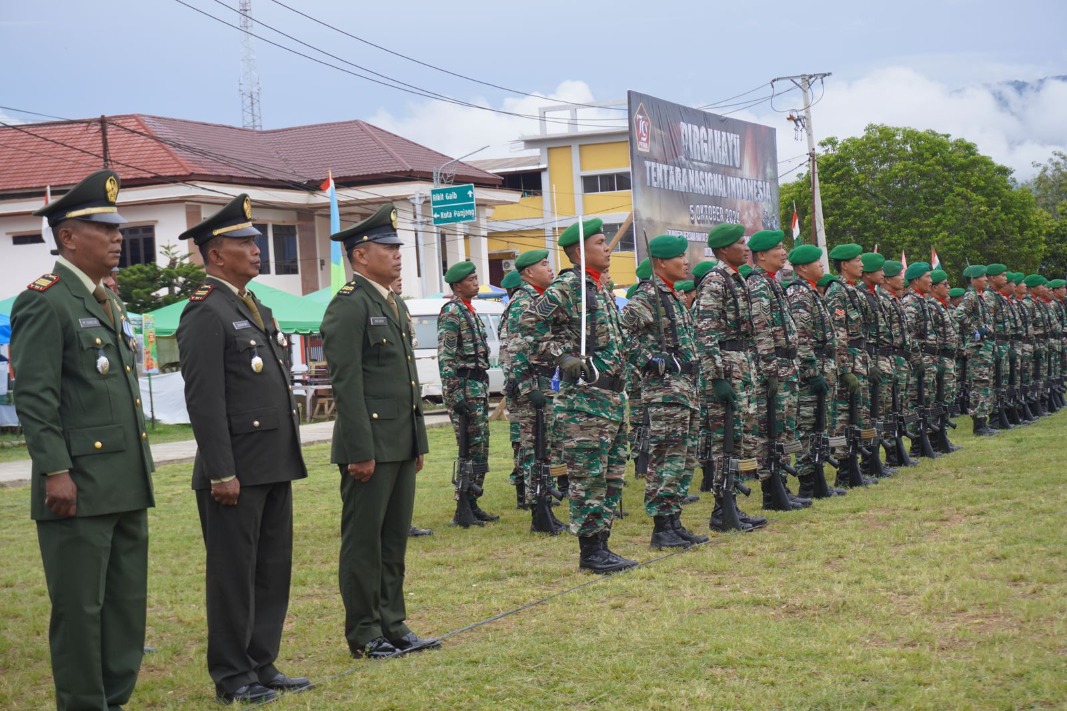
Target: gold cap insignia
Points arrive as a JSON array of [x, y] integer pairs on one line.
[[112, 188], [392, 217], [248, 208]]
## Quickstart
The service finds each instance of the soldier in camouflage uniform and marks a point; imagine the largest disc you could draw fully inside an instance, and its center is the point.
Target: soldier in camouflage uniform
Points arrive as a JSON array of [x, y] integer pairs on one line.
[[897, 328], [663, 354], [776, 368], [1003, 320], [463, 361], [848, 313], [1058, 287], [1039, 334], [687, 291], [535, 274], [976, 334], [723, 321], [948, 330], [817, 368], [591, 402], [1055, 344], [1025, 346], [879, 355], [926, 355], [509, 284], [637, 432]]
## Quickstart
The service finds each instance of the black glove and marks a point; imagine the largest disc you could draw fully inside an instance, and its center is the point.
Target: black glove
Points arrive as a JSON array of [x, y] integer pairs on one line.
[[537, 398], [818, 385], [724, 392], [657, 364], [573, 366], [461, 408]]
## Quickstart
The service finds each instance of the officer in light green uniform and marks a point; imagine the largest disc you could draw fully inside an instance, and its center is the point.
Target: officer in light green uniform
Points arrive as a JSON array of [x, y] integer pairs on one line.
[[79, 404]]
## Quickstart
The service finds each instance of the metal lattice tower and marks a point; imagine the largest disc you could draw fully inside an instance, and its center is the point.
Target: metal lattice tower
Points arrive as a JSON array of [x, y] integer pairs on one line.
[[249, 84]]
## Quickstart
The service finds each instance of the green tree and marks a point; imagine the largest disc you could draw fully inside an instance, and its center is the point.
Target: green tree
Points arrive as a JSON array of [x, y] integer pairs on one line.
[[1049, 188], [147, 287], [910, 190]]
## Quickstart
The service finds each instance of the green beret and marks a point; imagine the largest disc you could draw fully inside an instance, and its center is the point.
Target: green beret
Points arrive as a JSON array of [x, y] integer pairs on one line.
[[745, 270], [916, 270], [725, 234], [765, 239], [1057, 283], [1017, 277], [956, 292], [703, 268], [532, 257], [825, 280], [685, 285], [511, 280], [379, 227], [845, 252], [589, 228], [892, 267], [938, 275], [804, 254], [995, 269], [1033, 280], [668, 246], [632, 290], [459, 271], [974, 271], [644, 269], [872, 262]]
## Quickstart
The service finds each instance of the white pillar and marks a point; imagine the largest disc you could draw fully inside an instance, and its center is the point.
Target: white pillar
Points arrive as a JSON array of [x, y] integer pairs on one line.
[[480, 245], [407, 230]]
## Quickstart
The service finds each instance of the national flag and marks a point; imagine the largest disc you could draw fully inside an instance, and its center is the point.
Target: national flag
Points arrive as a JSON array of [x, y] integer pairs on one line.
[[337, 267], [903, 260], [935, 263], [876, 248], [46, 231], [796, 225]]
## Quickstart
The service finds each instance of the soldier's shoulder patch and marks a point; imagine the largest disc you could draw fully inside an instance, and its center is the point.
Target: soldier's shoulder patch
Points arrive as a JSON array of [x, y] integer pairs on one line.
[[349, 288], [544, 307], [202, 292], [43, 282]]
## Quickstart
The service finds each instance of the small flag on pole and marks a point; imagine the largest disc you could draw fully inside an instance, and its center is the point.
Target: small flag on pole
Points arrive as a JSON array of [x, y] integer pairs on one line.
[[935, 263], [337, 267], [876, 248], [903, 260], [796, 225]]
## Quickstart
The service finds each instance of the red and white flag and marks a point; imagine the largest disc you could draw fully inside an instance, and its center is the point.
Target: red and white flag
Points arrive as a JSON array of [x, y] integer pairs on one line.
[[935, 263], [796, 223], [903, 260], [46, 231], [876, 248]]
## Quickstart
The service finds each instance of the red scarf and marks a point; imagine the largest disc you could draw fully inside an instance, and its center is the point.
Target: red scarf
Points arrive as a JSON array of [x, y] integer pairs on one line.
[[593, 273], [814, 284], [944, 302], [670, 284], [539, 289], [468, 304]]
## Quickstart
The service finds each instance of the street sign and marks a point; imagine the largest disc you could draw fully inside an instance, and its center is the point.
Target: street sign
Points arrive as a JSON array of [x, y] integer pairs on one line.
[[453, 204]]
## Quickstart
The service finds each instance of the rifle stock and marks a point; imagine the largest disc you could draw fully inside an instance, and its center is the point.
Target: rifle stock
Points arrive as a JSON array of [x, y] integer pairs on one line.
[[461, 477]]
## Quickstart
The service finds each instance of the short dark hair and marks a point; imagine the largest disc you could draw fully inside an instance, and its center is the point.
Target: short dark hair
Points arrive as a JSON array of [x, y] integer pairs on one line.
[[206, 247], [837, 265]]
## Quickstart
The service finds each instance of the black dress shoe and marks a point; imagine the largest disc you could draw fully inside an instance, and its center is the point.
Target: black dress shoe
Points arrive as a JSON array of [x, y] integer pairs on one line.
[[281, 682], [377, 648], [411, 642], [415, 532], [249, 694]]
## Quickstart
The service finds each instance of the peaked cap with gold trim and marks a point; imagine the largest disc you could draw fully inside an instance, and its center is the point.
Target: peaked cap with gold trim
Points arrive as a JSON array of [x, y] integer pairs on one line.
[[91, 200], [379, 227], [233, 220]]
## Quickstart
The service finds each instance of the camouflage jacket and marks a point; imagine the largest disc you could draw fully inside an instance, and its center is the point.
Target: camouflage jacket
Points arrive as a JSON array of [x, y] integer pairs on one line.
[[874, 314], [722, 312], [461, 346], [1039, 326], [976, 324], [511, 334], [945, 324], [816, 342], [1003, 314], [921, 327], [551, 326], [773, 327], [896, 322], [650, 309], [847, 313]]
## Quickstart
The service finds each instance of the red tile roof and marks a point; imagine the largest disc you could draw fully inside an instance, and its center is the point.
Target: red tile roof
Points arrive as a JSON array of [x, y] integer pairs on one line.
[[147, 150]]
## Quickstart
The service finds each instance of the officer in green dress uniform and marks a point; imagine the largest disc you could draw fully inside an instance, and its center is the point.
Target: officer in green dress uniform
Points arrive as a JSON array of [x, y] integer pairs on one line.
[[379, 437], [79, 404], [247, 431]]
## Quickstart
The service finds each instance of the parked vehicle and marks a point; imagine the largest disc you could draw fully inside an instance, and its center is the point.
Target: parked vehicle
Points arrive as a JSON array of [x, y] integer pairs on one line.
[[424, 314]]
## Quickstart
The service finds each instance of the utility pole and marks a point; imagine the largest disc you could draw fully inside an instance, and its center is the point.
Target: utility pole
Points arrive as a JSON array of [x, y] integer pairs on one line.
[[804, 81], [249, 84], [103, 141]]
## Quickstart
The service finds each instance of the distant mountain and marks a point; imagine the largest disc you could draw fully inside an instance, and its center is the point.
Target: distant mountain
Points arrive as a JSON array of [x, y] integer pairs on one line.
[[1009, 94]]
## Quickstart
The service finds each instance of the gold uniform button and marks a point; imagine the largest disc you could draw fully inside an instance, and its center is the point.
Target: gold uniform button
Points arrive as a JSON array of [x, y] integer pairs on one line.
[[374, 416], [409, 359], [127, 369], [98, 341], [98, 445], [255, 423], [412, 383], [251, 343], [137, 402], [384, 341], [144, 436]]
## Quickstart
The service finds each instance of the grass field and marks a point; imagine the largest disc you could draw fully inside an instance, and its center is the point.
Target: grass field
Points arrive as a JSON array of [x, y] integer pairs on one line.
[[944, 587]]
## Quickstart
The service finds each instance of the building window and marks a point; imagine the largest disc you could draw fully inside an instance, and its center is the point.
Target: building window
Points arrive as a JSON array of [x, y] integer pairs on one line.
[[263, 242], [285, 255], [19, 240], [138, 245], [626, 242], [606, 182]]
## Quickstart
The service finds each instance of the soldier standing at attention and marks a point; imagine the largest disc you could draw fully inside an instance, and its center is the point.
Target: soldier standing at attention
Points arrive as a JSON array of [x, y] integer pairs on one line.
[[247, 431], [379, 438], [509, 284], [948, 330], [463, 360], [775, 336], [926, 356], [722, 316], [535, 275], [79, 404], [900, 344], [591, 402], [879, 354], [1039, 332], [1002, 320], [976, 332], [663, 354]]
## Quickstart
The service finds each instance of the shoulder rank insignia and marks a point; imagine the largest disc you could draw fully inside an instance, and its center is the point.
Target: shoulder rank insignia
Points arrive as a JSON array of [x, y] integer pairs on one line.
[[349, 288], [43, 282], [202, 291]]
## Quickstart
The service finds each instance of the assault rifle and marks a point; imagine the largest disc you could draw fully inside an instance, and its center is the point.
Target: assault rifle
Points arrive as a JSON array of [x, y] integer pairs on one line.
[[943, 412], [855, 436], [875, 461], [965, 388], [821, 449], [901, 419], [642, 446], [725, 485], [542, 476], [778, 459], [1003, 403], [462, 471], [922, 425]]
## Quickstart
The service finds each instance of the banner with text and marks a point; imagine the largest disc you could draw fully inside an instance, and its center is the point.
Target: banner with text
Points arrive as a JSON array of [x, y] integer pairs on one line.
[[691, 170]]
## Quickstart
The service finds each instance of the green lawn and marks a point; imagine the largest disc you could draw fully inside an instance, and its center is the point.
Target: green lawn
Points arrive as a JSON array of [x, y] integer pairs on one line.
[[945, 587]]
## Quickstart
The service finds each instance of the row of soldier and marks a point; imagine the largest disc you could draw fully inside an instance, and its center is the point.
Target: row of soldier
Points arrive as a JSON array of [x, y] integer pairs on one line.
[[739, 371]]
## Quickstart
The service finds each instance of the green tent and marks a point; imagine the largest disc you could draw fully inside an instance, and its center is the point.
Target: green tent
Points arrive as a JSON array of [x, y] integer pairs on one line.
[[6, 304], [295, 314]]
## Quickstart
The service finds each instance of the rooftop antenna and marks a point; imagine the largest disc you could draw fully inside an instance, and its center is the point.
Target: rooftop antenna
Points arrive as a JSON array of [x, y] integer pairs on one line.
[[249, 84]]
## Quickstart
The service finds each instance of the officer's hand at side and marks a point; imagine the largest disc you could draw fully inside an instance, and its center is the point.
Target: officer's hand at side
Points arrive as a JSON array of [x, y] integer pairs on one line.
[[226, 492], [851, 382], [818, 385], [61, 495], [419, 462], [537, 398], [723, 391], [362, 471], [462, 408], [572, 366]]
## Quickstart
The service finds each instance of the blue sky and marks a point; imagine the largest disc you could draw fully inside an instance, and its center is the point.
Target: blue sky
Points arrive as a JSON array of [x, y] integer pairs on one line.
[[922, 64]]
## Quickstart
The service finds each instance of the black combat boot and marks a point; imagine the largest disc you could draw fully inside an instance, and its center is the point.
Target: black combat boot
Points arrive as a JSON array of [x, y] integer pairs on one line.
[[684, 533], [594, 557], [1013, 415], [479, 514], [754, 521], [542, 520], [725, 516], [981, 428], [806, 488], [690, 499], [1000, 416], [803, 501], [520, 494], [664, 535], [604, 536], [775, 497]]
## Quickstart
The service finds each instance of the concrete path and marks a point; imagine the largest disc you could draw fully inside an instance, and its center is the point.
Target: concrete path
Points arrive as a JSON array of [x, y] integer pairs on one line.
[[18, 473]]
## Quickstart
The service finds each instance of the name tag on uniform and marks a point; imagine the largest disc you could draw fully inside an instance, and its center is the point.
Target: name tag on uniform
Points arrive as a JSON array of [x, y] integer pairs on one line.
[[379, 321], [241, 324], [89, 322]]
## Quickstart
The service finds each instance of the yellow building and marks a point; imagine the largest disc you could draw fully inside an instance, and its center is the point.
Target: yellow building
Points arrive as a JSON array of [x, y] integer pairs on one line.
[[583, 173]]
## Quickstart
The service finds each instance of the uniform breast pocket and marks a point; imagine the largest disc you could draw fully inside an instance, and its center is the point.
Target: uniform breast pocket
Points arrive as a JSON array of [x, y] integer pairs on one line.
[[99, 353]]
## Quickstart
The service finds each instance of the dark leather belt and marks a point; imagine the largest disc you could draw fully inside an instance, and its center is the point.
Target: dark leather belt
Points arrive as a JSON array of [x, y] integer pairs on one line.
[[885, 351], [788, 353], [689, 368], [545, 371], [823, 351], [857, 343], [473, 374], [930, 350], [733, 344], [948, 352], [605, 382]]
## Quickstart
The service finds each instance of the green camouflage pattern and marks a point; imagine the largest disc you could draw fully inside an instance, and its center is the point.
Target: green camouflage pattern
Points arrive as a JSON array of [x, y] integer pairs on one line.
[[816, 348], [462, 343], [975, 322], [926, 354], [848, 313]]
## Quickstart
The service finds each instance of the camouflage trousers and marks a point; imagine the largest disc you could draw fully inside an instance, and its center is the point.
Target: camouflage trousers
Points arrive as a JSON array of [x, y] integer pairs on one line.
[[951, 386], [513, 437], [980, 378], [860, 366], [807, 408], [1025, 366], [673, 432], [1001, 385], [785, 413], [636, 418], [524, 416], [887, 367], [594, 450], [1039, 364], [927, 370], [738, 371], [477, 432]]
